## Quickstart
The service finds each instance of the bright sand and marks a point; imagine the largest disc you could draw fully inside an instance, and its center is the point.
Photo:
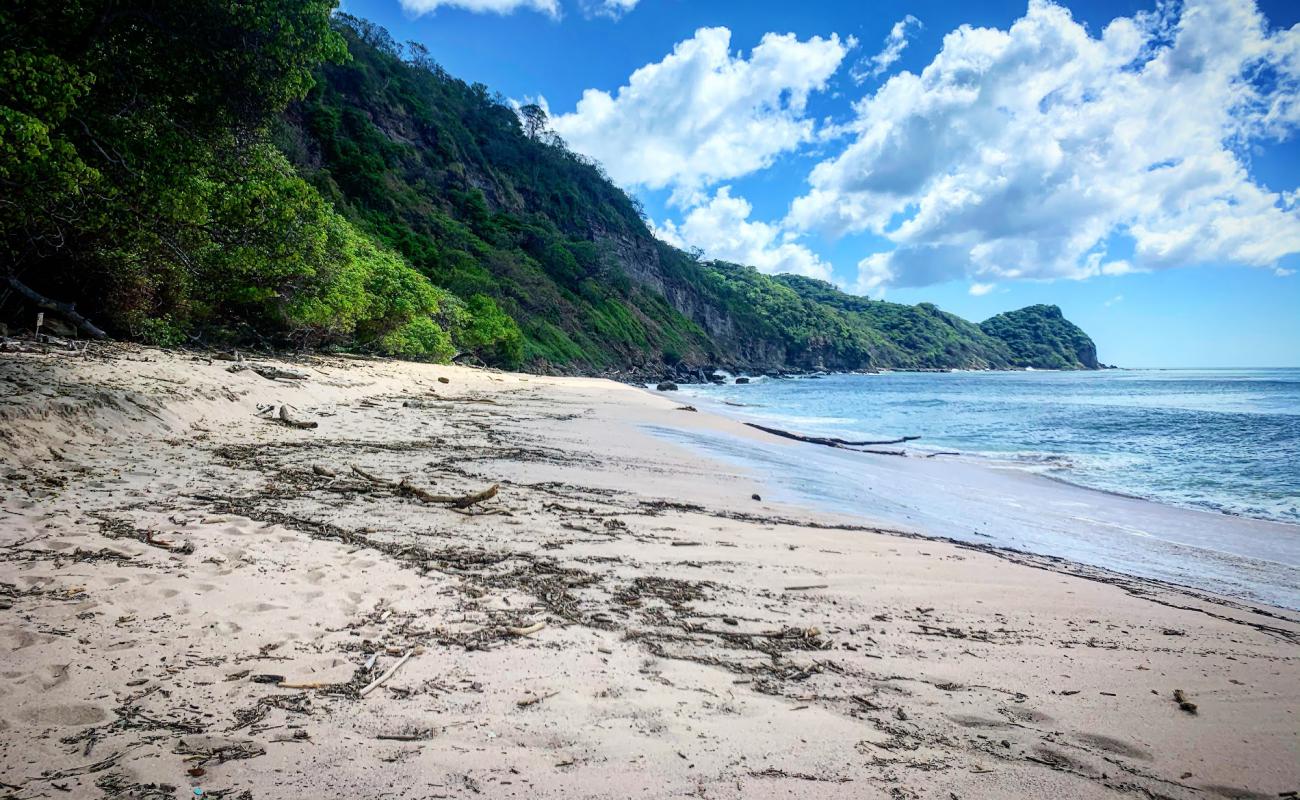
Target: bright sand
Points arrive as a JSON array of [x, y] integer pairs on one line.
[[695, 641]]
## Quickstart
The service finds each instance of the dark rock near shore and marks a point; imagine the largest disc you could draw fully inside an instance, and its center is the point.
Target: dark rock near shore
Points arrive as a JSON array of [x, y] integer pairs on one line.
[[742, 380], [666, 386]]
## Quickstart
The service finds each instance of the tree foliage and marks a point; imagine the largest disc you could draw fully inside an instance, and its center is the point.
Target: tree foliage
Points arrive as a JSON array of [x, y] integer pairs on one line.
[[136, 175]]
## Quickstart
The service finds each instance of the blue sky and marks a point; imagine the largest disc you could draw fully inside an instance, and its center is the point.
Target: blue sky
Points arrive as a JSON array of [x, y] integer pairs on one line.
[[1136, 165]]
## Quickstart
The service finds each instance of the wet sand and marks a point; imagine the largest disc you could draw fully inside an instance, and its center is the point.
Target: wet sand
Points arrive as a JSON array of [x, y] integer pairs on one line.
[[195, 594]]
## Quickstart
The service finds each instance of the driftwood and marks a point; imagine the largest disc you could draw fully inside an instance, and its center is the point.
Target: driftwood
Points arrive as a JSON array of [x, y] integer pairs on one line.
[[534, 699], [377, 682], [68, 310], [162, 544], [528, 631], [830, 441], [407, 490], [293, 423], [270, 373]]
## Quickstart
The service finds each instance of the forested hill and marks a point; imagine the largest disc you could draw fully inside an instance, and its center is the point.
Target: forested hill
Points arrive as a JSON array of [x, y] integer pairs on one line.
[[272, 176]]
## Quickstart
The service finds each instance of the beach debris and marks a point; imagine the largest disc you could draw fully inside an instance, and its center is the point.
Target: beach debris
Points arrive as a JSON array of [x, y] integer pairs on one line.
[[267, 677], [808, 587], [830, 441], [377, 682], [180, 548], [324, 472], [268, 372], [687, 408], [205, 749], [415, 736], [527, 630], [533, 699], [1173, 632], [432, 400], [285, 419], [1180, 697], [442, 379], [406, 489], [756, 497]]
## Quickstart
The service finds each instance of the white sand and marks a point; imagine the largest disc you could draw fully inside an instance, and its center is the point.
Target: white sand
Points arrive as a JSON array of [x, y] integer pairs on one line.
[[923, 669]]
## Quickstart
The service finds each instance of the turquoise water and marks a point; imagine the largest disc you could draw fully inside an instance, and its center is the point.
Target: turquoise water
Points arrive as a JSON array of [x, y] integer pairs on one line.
[[1224, 440]]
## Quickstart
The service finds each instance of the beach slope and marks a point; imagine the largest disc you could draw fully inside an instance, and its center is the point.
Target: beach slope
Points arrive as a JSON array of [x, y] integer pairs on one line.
[[363, 578]]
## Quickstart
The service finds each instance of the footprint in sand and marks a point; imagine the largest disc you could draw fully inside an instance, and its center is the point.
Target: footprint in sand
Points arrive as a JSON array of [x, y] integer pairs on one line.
[[1027, 715], [1111, 745], [65, 716], [258, 608]]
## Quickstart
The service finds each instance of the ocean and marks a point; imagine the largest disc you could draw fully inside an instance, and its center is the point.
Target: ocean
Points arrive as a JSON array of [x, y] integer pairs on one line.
[[1223, 443]]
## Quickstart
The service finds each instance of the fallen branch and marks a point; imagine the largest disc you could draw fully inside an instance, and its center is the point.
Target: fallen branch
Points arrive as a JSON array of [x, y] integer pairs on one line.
[[270, 373], [377, 682], [407, 490], [68, 310], [830, 441], [807, 587], [162, 544], [533, 699]]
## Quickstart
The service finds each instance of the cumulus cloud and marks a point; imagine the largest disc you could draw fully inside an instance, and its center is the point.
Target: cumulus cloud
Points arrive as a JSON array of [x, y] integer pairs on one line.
[[1043, 151], [981, 289], [721, 228], [703, 114], [1119, 298], [895, 43], [550, 7]]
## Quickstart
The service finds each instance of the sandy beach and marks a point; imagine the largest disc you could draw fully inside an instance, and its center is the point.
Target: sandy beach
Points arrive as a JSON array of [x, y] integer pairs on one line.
[[294, 579]]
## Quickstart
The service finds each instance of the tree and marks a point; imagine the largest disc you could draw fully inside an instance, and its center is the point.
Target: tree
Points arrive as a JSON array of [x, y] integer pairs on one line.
[[534, 120]]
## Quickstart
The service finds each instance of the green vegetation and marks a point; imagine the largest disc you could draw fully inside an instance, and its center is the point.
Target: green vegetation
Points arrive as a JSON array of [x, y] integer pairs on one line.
[[259, 172], [1039, 336], [138, 177]]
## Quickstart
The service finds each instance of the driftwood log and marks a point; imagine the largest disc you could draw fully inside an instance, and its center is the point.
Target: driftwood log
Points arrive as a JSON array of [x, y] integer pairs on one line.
[[285, 419], [830, 441], [68, 310], [405, 489]]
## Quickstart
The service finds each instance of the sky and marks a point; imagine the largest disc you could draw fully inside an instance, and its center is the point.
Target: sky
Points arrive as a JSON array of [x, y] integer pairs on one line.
[[1135, 163]]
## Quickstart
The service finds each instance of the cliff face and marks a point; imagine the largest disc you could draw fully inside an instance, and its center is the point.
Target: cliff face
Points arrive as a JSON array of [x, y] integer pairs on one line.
[[443, 173]]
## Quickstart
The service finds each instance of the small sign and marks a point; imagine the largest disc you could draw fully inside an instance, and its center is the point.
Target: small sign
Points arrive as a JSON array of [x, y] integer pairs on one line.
[[40, 318]]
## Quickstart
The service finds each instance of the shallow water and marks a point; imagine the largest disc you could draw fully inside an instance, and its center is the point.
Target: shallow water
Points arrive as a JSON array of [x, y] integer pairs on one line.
[[1223, 440], [1199, 443]]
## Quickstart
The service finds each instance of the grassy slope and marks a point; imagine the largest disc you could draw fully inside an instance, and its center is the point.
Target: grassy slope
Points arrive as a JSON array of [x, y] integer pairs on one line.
[[442, 171]]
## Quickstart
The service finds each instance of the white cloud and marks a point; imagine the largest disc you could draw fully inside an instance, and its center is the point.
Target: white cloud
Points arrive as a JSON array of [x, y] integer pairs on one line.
[[981, 289], [721, 228], [703, 114], [1119, 298], [1044, 152], [614, 9], [550, 7], [895, 44], [1283, 272]]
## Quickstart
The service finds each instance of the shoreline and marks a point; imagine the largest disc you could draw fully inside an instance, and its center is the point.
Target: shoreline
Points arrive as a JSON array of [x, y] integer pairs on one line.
[[682, 636]]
